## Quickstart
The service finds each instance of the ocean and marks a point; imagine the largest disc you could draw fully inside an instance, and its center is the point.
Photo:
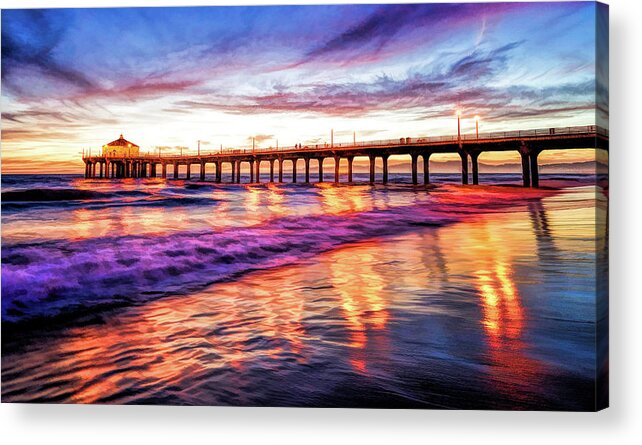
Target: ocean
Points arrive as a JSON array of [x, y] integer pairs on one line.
[[194, 293]]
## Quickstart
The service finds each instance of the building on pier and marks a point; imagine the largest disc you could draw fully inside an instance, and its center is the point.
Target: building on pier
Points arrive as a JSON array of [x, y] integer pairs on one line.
[[121, 147]]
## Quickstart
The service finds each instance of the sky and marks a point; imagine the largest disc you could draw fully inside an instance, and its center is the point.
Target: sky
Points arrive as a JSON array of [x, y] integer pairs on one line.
[[75, 79]]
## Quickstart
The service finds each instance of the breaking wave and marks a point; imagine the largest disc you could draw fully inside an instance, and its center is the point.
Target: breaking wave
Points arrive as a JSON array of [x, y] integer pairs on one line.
[[55, 278], [16, 200], [31, 195], [44, 280]]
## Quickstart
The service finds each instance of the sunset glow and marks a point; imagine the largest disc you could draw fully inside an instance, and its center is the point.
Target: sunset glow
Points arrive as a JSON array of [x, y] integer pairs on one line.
[[229, 75]]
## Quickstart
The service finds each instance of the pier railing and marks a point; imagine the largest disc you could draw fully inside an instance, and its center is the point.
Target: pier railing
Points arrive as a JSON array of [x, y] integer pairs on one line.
[[540, 132]]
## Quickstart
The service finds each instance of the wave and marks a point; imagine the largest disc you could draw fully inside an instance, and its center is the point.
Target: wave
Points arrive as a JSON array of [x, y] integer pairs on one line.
[[49, 194], [55, 278], [45, 280], [16, 200]]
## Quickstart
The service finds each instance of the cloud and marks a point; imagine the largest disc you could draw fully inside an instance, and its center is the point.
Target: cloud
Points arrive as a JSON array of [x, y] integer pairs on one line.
[[37, 115], [406, 25], [36, 134], [39, 60], [30, 165], [462, 83], [374, 32], [172, 149], [145, 89], [31, 50], [515, 112], [480, 64], [260, 138], [465, 83]]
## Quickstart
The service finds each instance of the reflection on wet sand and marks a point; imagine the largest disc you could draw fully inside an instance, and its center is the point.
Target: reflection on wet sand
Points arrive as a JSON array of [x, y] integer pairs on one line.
[[503, 319], [503, 315], [276, 201], [362, 298], [337, 200], [175, 343], [491, 255], [85, 224]]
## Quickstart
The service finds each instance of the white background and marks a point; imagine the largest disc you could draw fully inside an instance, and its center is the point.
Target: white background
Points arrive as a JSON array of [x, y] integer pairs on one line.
[[51, 424]]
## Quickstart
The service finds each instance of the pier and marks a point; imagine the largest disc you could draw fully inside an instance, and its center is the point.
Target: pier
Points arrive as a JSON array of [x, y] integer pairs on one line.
[[528, 143]]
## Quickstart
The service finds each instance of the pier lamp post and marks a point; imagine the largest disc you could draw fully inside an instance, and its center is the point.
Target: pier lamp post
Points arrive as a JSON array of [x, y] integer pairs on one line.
[[477, 127], [458, 125], [199, 147]]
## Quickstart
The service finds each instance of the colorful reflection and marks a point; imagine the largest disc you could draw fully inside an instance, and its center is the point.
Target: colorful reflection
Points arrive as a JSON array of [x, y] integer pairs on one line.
[[491, 255], [503, 315], [420, 315], [337, 200], [276, 200], [176, 340], [363, 300]]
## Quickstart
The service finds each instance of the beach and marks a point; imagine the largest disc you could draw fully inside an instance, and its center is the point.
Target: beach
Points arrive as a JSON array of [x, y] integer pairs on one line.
[[172, 292]]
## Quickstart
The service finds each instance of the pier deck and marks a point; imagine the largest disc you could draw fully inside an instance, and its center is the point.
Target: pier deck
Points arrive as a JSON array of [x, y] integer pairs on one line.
[[528, 143]]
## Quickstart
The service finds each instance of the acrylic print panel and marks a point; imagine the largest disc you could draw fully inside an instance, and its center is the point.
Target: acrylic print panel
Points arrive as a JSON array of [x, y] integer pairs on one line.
[[377, 206]]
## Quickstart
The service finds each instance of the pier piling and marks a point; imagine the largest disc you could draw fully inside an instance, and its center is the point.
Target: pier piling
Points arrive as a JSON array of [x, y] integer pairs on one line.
[[372, 168], [522, 141], [413, 158], [385, 168], [534, 169], [475, 164], [426, 159], [464, 167]]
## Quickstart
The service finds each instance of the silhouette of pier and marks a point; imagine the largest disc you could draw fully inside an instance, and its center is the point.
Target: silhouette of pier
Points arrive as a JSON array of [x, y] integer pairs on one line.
[[528, 143]]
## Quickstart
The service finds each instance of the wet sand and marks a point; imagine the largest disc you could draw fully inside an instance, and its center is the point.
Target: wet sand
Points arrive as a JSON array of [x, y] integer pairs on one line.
[[494, 311]]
